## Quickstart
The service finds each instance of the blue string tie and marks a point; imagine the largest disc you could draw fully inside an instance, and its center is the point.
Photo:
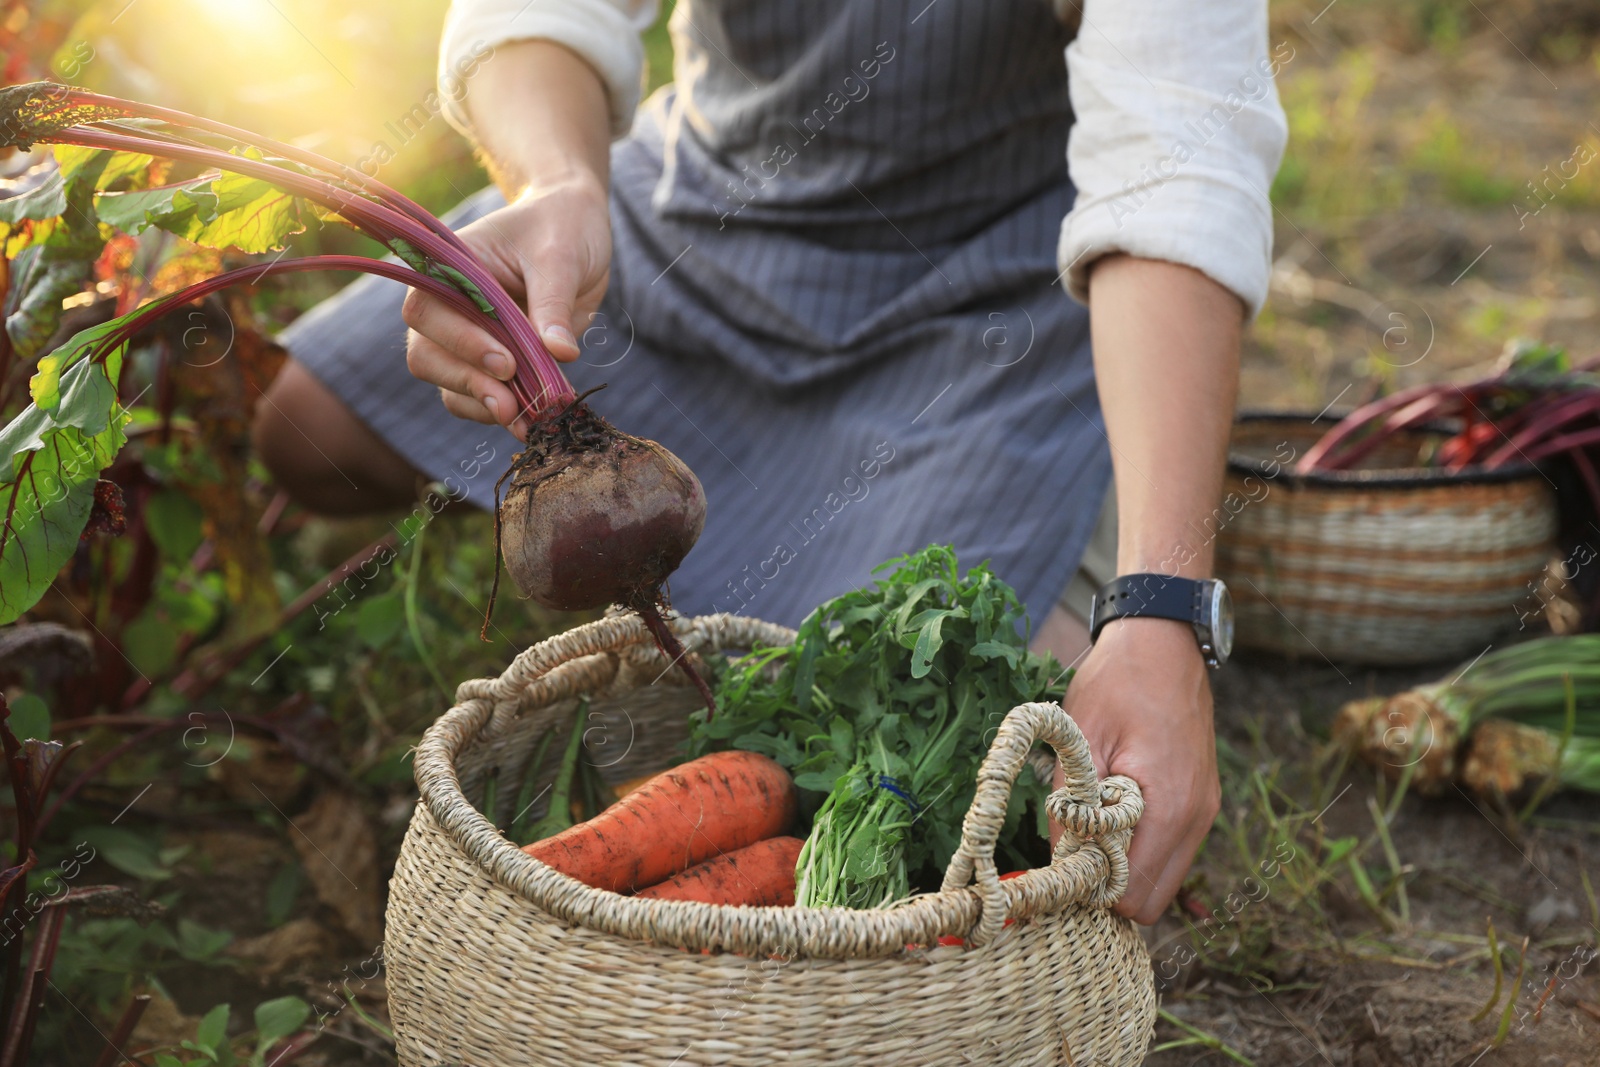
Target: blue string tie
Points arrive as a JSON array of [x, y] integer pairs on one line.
[[891, 785]]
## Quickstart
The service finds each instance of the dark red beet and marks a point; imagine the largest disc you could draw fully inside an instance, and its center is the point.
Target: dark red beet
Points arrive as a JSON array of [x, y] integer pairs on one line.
[[594, 517]]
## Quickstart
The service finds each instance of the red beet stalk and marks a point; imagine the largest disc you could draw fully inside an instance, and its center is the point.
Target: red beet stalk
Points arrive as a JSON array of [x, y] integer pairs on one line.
[[1435, 405], [1358, 420], [141, 318], [134, 109], [1564, 410], [380, 212], [1572, 442]]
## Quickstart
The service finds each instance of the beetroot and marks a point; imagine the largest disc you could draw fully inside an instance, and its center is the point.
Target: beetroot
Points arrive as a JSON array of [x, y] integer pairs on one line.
[[593, 516]]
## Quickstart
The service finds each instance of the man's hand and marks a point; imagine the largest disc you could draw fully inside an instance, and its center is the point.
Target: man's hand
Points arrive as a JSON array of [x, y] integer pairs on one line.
[[551, 249], [1143, 701], [539, 115]]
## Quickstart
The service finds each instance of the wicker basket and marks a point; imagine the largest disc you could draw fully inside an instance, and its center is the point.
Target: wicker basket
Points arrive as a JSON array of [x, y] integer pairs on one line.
[[495, 960], [1389, 564]]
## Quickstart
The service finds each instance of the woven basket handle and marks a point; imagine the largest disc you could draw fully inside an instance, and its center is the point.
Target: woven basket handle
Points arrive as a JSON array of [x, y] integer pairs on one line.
[[536, 675], [1094, 814]]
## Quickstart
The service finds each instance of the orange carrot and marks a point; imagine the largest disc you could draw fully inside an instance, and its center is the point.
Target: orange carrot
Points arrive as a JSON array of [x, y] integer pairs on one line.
[[700, 809], [951, 940], [622, 789], [758, 875]]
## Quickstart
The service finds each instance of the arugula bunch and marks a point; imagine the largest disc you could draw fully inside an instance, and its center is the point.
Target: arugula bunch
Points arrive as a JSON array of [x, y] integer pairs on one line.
[[887, 702]]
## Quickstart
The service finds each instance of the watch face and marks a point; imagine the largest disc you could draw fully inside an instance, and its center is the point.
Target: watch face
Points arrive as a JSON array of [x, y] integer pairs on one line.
[[1222, 620]]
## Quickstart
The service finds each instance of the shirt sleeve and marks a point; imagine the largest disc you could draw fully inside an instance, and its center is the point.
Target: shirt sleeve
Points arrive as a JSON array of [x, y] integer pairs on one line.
[[1177, 135], [605, 33]]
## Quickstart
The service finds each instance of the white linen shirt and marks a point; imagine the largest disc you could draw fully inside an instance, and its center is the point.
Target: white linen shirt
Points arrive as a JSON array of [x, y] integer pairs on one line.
[[1177, 133]]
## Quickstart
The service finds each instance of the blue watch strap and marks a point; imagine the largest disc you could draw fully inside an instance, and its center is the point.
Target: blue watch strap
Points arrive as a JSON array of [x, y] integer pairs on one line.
[[1151, 595]]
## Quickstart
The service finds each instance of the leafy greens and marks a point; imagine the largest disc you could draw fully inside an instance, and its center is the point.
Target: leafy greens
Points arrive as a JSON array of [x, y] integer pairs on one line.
[[887, 702]]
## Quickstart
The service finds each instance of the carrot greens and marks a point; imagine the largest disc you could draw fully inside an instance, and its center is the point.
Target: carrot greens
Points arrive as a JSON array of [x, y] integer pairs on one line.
[[883, 709]]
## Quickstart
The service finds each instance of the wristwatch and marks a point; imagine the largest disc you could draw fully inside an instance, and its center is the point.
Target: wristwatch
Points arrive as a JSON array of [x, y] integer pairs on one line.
[[1205, 605]]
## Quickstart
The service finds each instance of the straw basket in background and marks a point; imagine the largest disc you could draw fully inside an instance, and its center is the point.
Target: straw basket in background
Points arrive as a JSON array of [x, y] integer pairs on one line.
[[496, 960], [1392, 563]]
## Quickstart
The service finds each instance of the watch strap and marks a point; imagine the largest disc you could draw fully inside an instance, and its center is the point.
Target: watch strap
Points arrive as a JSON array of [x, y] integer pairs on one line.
[[1150, 595]]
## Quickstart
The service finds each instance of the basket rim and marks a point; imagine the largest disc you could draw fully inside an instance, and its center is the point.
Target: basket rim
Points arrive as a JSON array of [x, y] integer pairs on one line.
[[569, 664], [1390, 478]]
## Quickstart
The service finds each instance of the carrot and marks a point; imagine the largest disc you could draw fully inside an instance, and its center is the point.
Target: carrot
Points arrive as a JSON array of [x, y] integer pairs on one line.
[[758, 875], [950, 940], [700, 809], [622, 789]]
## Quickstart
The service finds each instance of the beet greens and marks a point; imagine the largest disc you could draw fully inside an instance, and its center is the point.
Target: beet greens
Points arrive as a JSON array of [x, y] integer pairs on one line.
[[250, 203]]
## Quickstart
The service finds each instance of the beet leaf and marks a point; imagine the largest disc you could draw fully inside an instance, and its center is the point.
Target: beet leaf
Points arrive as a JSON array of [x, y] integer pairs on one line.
[[47, 490]]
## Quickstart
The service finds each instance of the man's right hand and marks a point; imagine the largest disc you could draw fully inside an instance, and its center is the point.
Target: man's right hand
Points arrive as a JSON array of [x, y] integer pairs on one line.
[[551, 249], [539, 112]]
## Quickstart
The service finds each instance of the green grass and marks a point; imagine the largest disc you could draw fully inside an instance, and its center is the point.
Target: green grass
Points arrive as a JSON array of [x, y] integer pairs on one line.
[[658, 50]]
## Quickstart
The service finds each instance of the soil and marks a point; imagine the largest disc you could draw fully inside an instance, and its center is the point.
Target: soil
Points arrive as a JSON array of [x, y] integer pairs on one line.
[[1468, 865]]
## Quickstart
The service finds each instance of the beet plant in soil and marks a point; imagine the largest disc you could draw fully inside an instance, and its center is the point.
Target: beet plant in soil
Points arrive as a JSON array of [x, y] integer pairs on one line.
[[592, 516]]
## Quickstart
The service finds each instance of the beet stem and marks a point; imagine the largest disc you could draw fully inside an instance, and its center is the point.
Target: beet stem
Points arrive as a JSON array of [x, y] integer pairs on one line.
[[1359, 420], [538, 382]]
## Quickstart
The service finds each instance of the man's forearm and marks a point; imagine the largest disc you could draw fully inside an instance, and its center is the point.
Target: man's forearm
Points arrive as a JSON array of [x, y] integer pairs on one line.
[[1166, 357], [539, 113]]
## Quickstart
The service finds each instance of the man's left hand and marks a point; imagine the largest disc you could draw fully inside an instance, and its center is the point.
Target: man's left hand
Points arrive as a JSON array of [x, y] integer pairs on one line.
[[1143, 700]]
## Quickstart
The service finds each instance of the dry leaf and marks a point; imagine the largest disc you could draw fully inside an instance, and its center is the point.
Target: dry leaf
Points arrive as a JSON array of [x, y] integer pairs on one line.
[[245, 854], [268, 771], [163, 1024], [277, 952], [339, 851]]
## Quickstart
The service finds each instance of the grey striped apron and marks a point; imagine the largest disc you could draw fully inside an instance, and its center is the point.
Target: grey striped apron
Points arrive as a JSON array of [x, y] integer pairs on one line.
[[834, 295]]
